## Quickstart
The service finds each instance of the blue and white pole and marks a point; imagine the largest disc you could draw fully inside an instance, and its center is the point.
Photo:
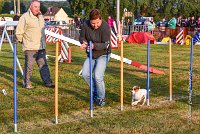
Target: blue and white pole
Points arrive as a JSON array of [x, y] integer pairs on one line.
[[190, 83], [148, 70], [15, 86], [191, 65], [91, 81]]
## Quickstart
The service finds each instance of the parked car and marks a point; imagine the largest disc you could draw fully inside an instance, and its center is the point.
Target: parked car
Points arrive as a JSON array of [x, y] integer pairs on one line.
[[138, 21], [141, 20], [57, 23]]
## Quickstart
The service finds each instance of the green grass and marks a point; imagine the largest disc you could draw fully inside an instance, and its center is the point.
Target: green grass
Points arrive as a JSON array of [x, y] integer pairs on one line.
[[36, 106]]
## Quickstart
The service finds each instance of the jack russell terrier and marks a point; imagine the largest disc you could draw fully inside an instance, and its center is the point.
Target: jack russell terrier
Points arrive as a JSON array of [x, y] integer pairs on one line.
[[139, 96]]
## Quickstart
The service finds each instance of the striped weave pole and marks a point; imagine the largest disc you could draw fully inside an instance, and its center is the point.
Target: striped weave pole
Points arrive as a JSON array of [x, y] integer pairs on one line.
[[15, 86], [91, 84], [148, 72]]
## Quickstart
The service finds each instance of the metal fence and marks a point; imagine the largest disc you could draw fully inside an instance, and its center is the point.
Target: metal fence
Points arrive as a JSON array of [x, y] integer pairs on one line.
[[127, 30], [72, 32]]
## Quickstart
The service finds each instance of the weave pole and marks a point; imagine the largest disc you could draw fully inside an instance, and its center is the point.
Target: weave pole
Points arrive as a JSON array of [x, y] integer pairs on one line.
[[15, 86], [148, 70], [91, 82], [122, 75], [170, 70], [190, 84], [56, 84], [191, 65]]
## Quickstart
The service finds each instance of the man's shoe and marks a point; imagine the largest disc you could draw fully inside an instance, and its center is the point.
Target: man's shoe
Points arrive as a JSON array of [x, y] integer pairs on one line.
[[50, 85], [28, 86]]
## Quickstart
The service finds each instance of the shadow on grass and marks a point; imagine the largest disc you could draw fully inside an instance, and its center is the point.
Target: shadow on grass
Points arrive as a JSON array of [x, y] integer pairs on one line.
[[6, 122], [7, 73], [161, 83]]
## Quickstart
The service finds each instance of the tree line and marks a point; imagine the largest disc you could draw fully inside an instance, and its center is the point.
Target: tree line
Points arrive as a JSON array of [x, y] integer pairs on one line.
[[7, 5], [153, 8]]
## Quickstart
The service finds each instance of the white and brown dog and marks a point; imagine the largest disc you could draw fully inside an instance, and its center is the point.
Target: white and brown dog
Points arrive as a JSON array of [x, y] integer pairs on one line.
[[139, 96]]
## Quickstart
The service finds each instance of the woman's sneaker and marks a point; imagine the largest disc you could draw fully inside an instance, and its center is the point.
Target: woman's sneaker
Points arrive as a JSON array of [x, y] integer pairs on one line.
[[49, 85], [95, 99], [101, 102]]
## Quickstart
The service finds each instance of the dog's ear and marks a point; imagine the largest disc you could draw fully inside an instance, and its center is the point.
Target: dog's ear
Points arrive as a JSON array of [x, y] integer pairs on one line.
[[136, 87]]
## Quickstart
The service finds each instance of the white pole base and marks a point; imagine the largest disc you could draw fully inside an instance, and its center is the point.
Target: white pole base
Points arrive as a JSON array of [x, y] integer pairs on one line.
[[56, 119], [15, 127], [148, 102], [91, 113], [170, 98], [122, 107]]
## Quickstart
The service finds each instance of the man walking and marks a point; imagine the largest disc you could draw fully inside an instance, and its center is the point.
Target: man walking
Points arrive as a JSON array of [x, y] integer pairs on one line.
[[30, 32]]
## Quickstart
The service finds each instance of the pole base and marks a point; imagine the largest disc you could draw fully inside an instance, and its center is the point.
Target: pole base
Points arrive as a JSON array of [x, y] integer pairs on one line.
[[122, 107], [91, 113], [148, 102], [56, 119], [170, 98], [15, 127]]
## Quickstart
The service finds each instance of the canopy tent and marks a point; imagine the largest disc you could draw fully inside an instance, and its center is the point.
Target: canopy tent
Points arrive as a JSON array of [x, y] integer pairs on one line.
[[140, 38]]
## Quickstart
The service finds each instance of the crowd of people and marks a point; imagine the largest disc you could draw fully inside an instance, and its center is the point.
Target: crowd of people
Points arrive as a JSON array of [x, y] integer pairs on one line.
[[189, 25]]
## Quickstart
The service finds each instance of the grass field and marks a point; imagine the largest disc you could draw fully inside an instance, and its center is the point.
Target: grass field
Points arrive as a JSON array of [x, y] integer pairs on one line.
[[36, 106]]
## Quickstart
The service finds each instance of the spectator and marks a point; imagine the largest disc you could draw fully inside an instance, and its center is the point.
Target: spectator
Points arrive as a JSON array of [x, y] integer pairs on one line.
[[179, 25], [30, 31], [79, 23], [184, 24], [146, 25], [128, 24], [97, 31], [179, 22], [16, 17], [162, 29], [110, 22], [192, 25], [198, 22], [151, 26], [172, 27], [198, 25]]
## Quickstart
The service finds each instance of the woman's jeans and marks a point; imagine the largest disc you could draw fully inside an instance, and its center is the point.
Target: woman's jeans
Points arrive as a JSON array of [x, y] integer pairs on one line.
[[98, 67]]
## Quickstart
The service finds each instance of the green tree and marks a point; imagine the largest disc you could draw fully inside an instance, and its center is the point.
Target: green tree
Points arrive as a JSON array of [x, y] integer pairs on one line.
[[6, 7], [22, 8], [1, 5], [154, 8], [43, 8]]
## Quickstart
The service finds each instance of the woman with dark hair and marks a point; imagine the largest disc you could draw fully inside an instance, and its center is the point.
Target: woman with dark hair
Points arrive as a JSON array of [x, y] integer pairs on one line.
[[98, 32]]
